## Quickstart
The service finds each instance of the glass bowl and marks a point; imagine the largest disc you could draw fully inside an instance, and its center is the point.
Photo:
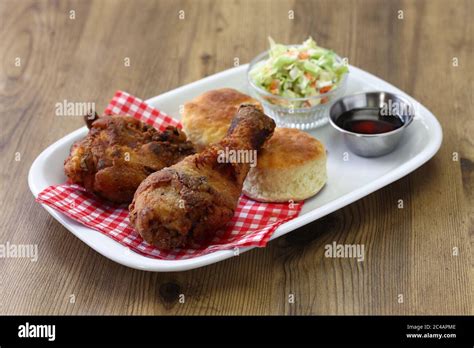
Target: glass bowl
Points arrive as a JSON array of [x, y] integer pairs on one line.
[[291, 112]]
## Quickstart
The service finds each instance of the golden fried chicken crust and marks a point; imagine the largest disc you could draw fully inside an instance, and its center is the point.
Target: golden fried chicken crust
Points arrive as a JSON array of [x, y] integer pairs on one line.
[[119, 153], [191, 200]]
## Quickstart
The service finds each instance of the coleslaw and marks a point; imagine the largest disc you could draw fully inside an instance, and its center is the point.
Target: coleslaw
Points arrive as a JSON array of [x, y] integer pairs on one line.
[[301, 71]]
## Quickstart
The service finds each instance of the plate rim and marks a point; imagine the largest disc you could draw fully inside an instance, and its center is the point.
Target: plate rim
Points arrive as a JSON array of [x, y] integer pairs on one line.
[[122, 255]]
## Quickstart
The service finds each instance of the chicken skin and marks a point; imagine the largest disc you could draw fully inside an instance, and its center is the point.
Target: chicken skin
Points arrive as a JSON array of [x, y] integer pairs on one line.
[[119, 153], [194, 198]]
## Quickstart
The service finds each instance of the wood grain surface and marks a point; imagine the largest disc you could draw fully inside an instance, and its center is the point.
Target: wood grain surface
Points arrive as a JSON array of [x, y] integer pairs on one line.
[[408, 251]]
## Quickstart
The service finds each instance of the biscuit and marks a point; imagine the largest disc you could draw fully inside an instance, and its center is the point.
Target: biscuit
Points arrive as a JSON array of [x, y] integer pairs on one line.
[[290, 166], [207, 117]]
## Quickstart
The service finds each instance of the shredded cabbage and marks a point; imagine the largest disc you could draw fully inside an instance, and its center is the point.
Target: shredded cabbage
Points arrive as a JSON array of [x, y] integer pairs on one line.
[[298, 71]]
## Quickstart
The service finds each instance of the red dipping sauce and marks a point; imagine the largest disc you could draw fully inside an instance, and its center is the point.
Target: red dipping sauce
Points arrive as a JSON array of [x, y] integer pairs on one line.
[[368, 121]]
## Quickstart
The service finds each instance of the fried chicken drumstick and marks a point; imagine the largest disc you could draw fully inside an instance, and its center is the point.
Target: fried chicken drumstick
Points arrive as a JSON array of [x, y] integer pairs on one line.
[[119, 153], [194, 198]]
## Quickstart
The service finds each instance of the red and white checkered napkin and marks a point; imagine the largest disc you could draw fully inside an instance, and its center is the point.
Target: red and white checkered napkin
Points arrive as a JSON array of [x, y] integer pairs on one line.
[[252, 225]]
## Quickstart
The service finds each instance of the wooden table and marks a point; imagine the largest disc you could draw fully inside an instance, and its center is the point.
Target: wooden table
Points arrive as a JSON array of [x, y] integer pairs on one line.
[[409, 252]]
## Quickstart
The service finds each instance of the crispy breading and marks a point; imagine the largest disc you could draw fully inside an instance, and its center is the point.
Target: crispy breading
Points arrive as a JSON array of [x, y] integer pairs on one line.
[[119, 153], [191, 200]]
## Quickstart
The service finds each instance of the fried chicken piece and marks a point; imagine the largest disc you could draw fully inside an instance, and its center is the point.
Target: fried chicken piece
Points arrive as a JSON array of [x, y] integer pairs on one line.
[[119, 153], [194, 198]]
